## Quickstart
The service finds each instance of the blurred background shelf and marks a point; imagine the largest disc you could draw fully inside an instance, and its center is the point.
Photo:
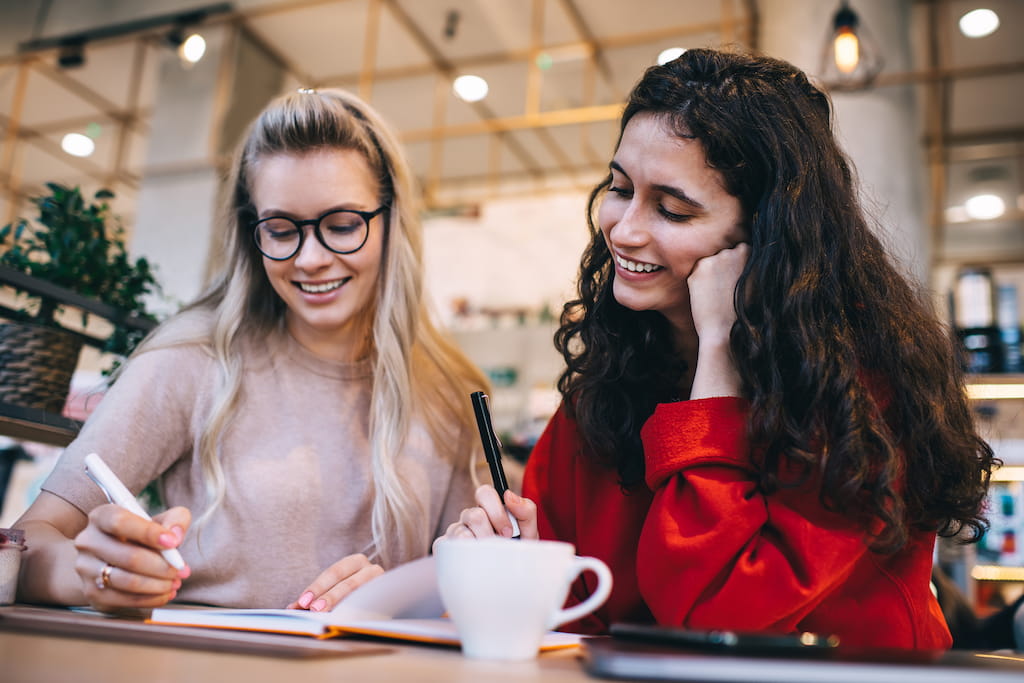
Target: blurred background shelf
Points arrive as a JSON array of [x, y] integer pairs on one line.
[[30, 424]]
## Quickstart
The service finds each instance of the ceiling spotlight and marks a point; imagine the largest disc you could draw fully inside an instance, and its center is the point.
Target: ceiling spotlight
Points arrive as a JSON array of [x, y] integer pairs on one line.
[[668, 54], [193, 49], [470, 88], [71, 54], [78, 145], [451, 23], [985, 207]]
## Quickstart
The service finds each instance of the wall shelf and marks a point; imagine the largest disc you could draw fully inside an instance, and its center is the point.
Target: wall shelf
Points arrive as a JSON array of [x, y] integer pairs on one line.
[[31, 424], [997, 572]]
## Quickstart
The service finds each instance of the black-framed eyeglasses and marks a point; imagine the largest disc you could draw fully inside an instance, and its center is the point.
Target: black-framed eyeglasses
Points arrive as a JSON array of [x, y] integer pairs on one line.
[[343, 231]]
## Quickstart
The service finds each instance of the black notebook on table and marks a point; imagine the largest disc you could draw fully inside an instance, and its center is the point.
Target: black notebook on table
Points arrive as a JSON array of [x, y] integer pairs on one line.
[[657, 658]]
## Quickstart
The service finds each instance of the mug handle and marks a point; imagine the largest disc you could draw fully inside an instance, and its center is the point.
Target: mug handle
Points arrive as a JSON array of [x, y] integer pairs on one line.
[[596, 599]]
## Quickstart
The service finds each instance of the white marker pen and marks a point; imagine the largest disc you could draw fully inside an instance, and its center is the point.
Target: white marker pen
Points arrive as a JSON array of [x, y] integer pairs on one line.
[[119, 494]]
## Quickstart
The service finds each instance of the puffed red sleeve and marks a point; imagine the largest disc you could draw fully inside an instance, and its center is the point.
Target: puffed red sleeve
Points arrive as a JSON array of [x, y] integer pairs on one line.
[[714, 551]]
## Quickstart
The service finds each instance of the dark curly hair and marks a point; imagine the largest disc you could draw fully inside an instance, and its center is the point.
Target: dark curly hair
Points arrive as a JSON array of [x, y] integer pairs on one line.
[[851, 377]]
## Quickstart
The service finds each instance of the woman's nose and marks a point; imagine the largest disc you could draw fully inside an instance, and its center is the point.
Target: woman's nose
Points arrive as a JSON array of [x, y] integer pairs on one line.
[[313, 255], [629, 229]]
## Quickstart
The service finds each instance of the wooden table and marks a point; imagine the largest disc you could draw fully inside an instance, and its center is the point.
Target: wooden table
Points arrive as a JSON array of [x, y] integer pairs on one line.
[[49, 658], [52, 655]]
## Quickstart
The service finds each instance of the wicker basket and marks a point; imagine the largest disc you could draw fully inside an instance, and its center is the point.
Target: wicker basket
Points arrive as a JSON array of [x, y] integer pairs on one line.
[[36, 365]]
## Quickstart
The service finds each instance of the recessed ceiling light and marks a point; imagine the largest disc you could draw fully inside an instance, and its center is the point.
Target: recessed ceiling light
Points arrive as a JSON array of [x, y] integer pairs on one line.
[[470, 88], [979, 23], [668, 54], [78, 145], [983, 207]]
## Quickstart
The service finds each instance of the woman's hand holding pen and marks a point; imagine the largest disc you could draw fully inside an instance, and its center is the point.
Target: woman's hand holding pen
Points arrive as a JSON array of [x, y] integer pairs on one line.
[[490, 518], [119, 558], [337, 581]]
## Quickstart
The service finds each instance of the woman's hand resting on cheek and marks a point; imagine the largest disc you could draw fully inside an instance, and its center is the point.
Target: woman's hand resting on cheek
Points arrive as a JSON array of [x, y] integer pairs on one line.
[[490, 519], [337, 581], [712, 286], [119, 558]]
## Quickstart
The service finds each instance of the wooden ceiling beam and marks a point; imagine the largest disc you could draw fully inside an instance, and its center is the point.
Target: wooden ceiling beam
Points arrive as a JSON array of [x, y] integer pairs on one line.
[[526, 54], [561, 117], [445, 68]]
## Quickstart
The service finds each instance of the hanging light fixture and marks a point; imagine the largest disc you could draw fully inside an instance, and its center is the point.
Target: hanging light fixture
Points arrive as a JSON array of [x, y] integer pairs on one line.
[[851, 57]]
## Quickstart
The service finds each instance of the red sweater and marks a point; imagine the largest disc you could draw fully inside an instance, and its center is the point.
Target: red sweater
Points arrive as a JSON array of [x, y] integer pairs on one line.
[[700, 547]]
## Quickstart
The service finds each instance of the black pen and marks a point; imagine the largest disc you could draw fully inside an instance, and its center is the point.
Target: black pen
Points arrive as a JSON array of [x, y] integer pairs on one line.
[[492, 451]]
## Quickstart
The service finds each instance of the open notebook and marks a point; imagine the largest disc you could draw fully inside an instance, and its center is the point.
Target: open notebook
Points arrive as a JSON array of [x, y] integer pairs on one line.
[[402, 604]]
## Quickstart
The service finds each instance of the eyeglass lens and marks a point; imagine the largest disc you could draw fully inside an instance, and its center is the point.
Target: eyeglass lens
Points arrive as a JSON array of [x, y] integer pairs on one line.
[[340, 231]]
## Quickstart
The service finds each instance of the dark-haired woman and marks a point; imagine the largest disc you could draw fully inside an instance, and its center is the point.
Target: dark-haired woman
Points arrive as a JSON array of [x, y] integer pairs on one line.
[[764, 425]]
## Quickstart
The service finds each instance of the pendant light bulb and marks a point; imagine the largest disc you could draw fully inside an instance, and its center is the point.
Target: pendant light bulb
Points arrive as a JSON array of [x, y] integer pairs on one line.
[[850, 57], [847, 51], [845, 43]]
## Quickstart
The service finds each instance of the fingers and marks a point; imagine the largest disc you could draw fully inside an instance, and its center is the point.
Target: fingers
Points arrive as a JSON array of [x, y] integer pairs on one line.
[[490, 517], [712, 288], [110, 588], [525, 512], [337, 581], [177, 520], [138, 576]]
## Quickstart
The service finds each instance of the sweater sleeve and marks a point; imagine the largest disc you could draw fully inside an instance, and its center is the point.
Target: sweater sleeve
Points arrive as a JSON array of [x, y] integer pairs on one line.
[[142, 425], [716, 551]]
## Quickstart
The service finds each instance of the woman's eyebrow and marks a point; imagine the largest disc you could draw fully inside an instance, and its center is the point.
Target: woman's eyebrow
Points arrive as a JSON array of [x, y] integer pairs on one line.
[[614, 165], [666, 189], [678, 194]]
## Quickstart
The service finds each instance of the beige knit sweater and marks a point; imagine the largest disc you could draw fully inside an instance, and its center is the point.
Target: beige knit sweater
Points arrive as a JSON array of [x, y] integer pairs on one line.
[[296, 462]]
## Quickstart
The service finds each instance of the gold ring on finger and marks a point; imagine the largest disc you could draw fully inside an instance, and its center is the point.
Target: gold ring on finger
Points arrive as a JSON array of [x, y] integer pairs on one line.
[[103, 580]]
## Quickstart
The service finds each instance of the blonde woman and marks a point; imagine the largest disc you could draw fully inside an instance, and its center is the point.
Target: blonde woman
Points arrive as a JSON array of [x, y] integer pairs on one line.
[[304, 408]]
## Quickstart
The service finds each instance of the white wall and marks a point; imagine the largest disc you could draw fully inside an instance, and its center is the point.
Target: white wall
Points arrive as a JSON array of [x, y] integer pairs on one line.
[[878, 128], [519, 253]]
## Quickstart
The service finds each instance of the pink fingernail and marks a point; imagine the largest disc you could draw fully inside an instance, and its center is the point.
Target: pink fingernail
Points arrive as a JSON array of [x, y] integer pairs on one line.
[[318, 605], [507, 532], [306, 598], [168, 540], [179, 532]]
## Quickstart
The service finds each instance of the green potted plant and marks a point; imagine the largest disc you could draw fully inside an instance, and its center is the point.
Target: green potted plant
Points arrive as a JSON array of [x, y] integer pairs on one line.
[[78, 245]]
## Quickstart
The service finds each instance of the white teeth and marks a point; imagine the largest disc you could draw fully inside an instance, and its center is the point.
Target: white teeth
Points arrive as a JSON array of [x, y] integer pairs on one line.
[[635, 266], [320, 289]]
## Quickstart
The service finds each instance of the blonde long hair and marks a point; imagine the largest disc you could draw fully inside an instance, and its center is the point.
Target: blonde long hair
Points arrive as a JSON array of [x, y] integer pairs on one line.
[[413, 363]]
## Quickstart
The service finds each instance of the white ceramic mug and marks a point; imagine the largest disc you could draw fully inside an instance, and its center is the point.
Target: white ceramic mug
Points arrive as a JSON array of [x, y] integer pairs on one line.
[[503, 595]]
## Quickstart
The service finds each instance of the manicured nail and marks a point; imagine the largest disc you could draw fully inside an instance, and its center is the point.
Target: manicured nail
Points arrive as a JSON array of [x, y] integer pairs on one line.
[[179, 532], [168, 540], [306, 598], [185, 572], [318, 605]]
